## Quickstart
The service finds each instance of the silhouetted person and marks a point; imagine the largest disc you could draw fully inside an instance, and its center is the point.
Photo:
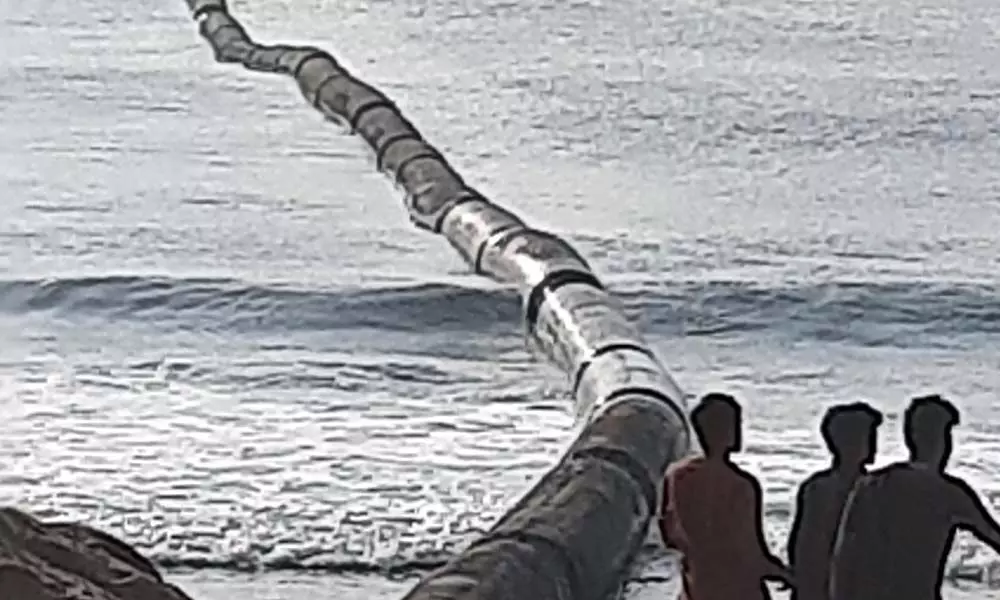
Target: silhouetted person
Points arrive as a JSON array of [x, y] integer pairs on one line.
[[850, 433], [712, 512], [899, 522]]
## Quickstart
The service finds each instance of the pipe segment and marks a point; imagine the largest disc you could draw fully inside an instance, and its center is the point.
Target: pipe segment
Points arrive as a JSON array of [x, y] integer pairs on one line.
[[575, 533]]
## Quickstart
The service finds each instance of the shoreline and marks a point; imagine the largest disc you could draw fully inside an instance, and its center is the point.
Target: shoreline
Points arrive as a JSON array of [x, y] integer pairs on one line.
[[224, 585]]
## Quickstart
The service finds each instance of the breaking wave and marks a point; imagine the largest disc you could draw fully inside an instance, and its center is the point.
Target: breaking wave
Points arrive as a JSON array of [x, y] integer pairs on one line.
[[865, 313]]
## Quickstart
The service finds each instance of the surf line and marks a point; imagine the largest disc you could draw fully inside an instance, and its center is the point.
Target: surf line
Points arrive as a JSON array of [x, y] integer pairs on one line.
[[575, 533]]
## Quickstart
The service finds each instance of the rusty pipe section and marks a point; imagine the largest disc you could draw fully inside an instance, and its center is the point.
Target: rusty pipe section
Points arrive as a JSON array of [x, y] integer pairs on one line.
[[575, 533]]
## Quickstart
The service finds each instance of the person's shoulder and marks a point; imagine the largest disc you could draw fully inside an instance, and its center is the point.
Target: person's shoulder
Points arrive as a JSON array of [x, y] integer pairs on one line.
[[685, 465], [744, 476], [957, 486], [873, 484], [888, 470], [817, 480], [817, 485], [910, 474], [899, 480], [882, 476], [955, 481]]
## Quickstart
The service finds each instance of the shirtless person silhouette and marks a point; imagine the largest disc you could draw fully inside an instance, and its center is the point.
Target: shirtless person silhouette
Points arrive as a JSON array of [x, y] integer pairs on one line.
[[899, 522], [850, 432], [712, 513]]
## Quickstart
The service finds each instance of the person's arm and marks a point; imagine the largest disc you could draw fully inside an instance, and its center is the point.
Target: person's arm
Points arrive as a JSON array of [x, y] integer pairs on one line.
[[850, 548], [970, 514], [772, 566], [670, 527], [798, 535], [808, 557]]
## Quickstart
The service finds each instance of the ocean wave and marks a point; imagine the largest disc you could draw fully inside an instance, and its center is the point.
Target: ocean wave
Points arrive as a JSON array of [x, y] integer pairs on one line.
[[230, 304], [868, 313]]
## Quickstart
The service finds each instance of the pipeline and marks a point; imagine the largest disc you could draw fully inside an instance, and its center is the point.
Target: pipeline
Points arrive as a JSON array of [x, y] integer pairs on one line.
[[574, 535]]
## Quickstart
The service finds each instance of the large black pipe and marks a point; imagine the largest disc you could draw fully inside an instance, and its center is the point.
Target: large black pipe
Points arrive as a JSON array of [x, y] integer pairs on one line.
[[576, 532]]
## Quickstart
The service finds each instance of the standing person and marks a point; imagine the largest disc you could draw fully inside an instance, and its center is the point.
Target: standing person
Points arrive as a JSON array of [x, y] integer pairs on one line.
[[712, 512], [850, 433], [899, 522]]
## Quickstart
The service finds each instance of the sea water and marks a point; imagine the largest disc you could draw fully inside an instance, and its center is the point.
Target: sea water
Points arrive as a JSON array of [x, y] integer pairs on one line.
[[223, 341]]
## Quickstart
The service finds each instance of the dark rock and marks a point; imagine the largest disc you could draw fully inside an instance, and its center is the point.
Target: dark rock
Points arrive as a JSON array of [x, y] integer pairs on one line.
[[68, 561]]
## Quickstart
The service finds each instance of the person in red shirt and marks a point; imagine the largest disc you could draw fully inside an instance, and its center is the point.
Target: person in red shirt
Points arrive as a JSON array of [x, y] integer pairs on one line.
[[712, 512]]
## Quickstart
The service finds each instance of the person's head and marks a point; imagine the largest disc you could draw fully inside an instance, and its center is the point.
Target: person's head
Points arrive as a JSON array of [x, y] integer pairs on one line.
[[850, 433], [927, 425], [717, 421]]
